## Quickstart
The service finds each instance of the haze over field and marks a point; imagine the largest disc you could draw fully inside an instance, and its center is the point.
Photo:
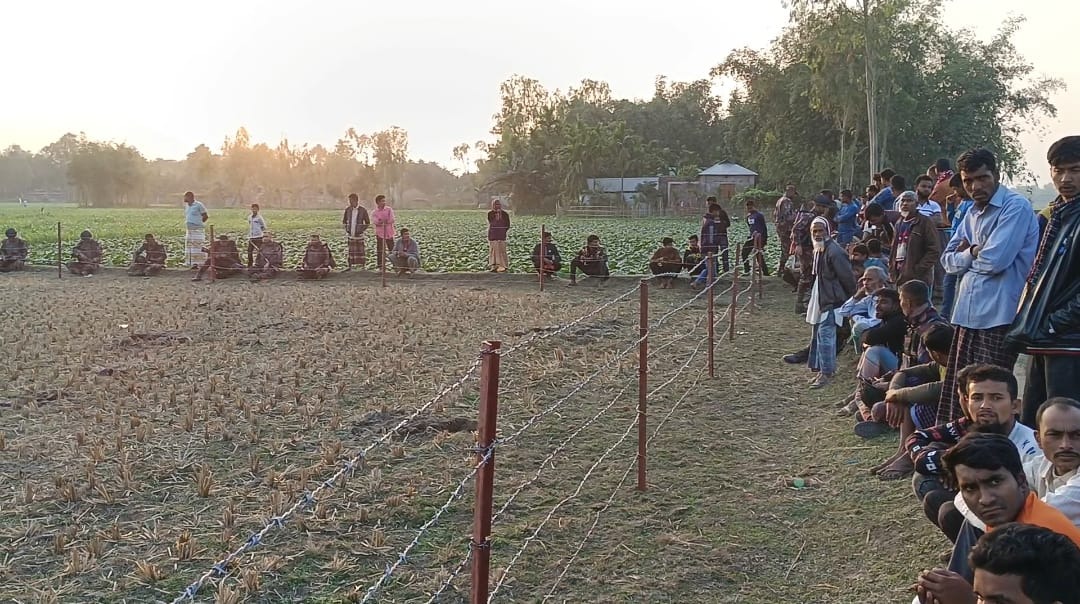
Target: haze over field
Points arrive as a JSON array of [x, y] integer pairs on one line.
[[166, 78]]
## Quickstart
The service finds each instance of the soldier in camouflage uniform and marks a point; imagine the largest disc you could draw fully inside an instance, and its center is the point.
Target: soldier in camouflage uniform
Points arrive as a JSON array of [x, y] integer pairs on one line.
[[224, 259], [318, 260], [87, 254], [13, 253], [270, 260], [149, 259]]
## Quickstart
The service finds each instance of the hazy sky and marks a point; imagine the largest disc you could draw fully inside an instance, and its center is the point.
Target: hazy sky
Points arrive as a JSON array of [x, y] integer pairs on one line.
[[166, 77]]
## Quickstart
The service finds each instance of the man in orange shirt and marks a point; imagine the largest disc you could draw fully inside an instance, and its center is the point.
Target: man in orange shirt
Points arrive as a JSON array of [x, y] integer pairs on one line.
[[990, 476]]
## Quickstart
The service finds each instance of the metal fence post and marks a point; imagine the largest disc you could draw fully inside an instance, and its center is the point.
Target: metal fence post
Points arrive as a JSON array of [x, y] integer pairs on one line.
[[734, 296], [59, 254], [710, 277], [643, 382], [540, 259], [485, 477]]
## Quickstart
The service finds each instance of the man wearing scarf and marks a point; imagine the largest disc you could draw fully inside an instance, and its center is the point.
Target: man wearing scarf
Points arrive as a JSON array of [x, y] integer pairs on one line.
[[356, 222], [834, 283], [1047, 325]]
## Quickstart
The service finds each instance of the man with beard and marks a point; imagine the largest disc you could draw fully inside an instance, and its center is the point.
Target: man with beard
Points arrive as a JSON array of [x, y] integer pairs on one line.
[[784, 220], [802, 245], [992, 253], [1047, 326], [988, 471], [924, 186], [834, 282], [1053, 474], [356, 221], [991, 408], [917, 247]]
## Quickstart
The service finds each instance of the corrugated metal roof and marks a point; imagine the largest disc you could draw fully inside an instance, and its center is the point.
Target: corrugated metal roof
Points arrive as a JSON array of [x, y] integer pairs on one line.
[[727, 169], [613, 185]]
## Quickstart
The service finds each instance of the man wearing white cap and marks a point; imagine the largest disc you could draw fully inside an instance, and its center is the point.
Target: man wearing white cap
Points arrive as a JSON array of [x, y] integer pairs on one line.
[[834, 283]]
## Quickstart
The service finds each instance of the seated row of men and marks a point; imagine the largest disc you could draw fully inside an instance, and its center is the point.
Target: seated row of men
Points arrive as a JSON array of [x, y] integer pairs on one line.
[[223, 257]]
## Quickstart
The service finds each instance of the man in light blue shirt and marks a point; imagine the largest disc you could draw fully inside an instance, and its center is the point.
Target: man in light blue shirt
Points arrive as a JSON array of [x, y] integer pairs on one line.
[[991, 253], [195, 217]]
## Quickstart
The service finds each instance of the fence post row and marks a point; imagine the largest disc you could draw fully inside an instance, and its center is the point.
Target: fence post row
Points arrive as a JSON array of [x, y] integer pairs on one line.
[[734, 296], [643, 382], [710, 275], [485, 477], [59, 254]]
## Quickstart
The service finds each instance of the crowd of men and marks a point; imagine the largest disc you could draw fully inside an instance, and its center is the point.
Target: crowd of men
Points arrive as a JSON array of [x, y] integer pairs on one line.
[[984, 457]]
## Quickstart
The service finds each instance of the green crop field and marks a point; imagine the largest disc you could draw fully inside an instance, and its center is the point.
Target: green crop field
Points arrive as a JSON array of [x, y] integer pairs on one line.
[[450, 241]]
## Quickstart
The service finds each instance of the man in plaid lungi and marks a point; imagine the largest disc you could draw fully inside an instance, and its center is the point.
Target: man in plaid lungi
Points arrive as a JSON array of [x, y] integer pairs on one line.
[[356, 221], [991, 253]]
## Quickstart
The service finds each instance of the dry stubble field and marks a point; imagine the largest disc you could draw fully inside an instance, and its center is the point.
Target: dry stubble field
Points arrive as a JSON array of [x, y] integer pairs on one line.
[[150, 425]]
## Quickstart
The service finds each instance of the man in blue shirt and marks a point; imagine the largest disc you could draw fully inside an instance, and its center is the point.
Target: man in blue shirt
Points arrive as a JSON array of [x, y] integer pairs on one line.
[[991, 254], [759, 236], [958, 205], [195, 217], [886, 198], [846, 219]]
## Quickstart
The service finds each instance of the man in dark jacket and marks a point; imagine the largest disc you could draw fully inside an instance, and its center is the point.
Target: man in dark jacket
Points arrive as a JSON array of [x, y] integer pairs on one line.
[[224, 259], [149, 259], [834, 283], [87, 256], [547, 258], [1047, 325], [714, 239], [13, 252], [916, 246], [356, 221], [882, 345]]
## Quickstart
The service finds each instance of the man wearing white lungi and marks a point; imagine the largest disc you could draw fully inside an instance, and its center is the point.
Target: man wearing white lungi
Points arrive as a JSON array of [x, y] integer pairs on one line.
[[196, 217]]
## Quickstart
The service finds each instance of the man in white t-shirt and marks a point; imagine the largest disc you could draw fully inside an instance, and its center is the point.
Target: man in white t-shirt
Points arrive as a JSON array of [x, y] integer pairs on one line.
[[924, 186], [195, 218], [257, 227]]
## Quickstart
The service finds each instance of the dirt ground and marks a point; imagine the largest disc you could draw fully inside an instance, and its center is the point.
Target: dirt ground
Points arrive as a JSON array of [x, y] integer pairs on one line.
[[150, 425]]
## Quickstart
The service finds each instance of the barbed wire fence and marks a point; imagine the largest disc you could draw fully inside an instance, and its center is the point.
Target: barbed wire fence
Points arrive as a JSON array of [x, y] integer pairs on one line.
[[486, 364]]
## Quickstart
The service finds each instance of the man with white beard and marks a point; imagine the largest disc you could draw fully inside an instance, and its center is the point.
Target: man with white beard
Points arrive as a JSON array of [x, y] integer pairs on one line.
[[834, 283]]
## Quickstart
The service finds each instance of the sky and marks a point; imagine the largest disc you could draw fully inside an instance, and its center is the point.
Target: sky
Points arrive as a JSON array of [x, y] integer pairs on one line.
[[166, 77]]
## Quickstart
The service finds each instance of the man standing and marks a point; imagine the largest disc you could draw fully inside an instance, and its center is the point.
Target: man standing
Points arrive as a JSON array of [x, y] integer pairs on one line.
[[847, 217], [383, 216], [87, 254], [958, 205], [992, 253], [803, 245], [1047, 326], [317, 261], [916, 249], [498, 226], [714, 226], [784, 219], [834, 283], [886, 197], [356, 222], [149, 259], [256, 229], [924, 186], [13, 252], [754, 247], [195, 216], [406, 254]]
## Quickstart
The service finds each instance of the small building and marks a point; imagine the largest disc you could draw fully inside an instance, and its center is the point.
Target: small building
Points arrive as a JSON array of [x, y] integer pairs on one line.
[[725, 179], [611, 189]]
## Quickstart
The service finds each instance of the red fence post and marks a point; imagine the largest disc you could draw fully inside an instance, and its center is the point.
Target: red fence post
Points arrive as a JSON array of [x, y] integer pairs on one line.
[[383, 253], [734, 296], [710, 277], [59, 254], [643, 382], [540, 260], [210, 255], [485, 477]]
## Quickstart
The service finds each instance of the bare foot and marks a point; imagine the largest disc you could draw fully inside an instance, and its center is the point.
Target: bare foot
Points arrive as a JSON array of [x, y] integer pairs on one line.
[[898, 470], [888, 462]]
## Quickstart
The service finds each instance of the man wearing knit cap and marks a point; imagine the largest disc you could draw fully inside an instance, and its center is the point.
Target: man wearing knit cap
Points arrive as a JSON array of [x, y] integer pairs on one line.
[[834, 283], [87, 254]]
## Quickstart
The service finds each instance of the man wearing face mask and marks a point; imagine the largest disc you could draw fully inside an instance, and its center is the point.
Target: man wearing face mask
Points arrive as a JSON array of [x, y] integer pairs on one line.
[[992, 253], [916, 248]]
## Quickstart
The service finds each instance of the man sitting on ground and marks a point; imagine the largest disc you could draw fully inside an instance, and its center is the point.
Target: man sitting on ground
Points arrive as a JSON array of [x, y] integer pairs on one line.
[[881, 347], [224, 259], [991, 407], [270, 260], [13, 253], [406, 254], [921, 316], [547, 260], [861, 308], [1052, 473], [692, 257], [666, 263], [318, 260], [149, 259], [87, 256], [1024, 564], [988, 471], [911, 400], [590, 260]]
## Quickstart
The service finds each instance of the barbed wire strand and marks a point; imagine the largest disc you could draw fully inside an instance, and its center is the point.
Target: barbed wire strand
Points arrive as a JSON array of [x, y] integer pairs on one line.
[[309, 498], [403, 555], [454, 574], [581, 484]]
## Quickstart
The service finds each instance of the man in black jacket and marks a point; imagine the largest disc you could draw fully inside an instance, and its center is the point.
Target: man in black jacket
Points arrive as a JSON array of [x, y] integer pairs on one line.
[[1047, 325]]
